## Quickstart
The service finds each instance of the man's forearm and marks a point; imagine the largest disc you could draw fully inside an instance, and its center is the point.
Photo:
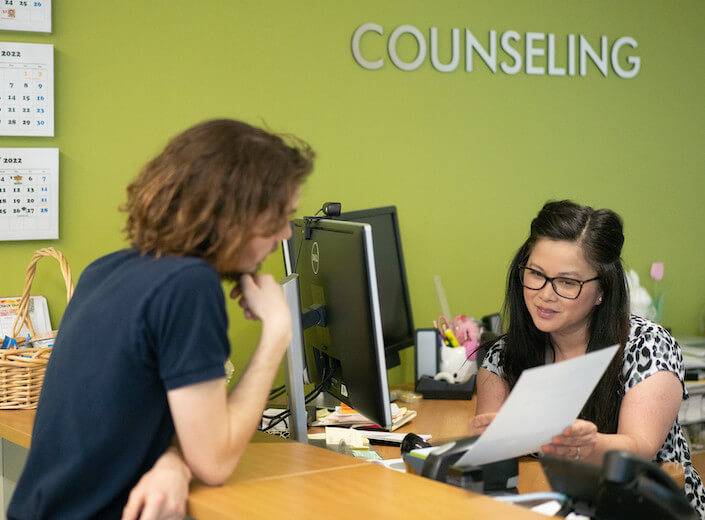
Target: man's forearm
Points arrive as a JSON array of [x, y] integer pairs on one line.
[[214, 427], [250, 396]]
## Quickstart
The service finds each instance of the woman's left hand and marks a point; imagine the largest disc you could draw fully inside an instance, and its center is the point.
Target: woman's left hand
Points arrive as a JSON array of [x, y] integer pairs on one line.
[[576, 442]]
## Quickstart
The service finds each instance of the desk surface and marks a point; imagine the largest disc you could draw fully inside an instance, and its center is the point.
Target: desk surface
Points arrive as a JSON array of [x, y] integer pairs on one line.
[[16, 426], [275, 476], [307, 482]]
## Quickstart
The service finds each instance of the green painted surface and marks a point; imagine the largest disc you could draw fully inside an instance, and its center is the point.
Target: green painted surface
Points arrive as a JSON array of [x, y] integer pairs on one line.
[[468, 158]]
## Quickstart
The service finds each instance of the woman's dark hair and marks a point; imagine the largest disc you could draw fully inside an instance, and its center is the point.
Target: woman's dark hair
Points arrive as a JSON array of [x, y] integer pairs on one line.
[[599, 234]]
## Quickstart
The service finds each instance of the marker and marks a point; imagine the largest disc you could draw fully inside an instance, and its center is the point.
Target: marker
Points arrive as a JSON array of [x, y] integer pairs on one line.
[[451, 338]]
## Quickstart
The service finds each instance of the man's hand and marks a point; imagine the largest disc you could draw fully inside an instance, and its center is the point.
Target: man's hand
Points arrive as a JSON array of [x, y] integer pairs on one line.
[[161, 493], [262, 298]]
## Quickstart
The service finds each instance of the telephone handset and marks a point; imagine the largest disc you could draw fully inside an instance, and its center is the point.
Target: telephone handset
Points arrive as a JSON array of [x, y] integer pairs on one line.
[[625, 486], [622, 468]]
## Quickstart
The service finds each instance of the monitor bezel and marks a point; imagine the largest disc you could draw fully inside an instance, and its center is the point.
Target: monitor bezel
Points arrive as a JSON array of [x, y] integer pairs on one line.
[[392, 211], [371, 269]]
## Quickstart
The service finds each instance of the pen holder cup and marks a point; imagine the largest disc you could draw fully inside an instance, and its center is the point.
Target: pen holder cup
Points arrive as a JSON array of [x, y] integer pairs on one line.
[[22, 369]]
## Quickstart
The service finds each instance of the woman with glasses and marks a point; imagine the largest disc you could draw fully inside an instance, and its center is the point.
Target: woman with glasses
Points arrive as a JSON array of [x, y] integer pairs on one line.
[[566, 296]]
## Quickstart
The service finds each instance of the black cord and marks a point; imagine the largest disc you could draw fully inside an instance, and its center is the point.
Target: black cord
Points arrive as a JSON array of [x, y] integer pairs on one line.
[[280, 390], [282, 416], [272, 423], [298, 253], [274, 396]]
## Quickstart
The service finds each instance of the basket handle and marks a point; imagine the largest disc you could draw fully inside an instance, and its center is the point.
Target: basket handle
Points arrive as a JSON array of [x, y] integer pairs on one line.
[[23, 310]]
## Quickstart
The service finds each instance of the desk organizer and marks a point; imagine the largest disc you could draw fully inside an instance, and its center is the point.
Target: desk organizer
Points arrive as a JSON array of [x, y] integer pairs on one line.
[[22, 369], [432, 389]]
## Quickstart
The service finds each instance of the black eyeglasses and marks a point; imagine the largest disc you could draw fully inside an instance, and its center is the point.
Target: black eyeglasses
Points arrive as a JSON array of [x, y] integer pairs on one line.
[[569, 288]]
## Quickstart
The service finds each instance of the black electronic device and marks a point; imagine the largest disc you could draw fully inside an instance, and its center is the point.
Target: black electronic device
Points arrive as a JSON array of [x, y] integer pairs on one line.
[[397, 318], [329, 210], [395, 304], [340, 325], [496, 477], [411, 441], [431, 388], [625, 486]]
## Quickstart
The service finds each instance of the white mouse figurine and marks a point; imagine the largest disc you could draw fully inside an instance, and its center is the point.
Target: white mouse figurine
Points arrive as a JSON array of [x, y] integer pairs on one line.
[[455, 367]]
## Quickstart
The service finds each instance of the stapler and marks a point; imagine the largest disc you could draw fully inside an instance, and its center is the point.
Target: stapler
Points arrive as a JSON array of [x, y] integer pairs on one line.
[[439, 464]]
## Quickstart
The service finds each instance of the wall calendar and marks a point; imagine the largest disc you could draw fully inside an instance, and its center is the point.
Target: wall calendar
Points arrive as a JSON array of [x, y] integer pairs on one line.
[[29, 193], [26, 89], [25, 15]]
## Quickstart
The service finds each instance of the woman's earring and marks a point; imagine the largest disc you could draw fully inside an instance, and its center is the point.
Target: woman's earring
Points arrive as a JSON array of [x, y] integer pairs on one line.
[[599, 300]]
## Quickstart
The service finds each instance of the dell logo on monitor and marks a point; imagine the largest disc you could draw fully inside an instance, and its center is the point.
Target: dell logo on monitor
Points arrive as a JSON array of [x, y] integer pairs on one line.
[[315, 258]]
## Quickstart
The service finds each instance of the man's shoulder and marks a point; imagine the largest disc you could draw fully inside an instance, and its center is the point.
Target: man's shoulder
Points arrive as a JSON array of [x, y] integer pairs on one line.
[[146, 273], [130, 259]]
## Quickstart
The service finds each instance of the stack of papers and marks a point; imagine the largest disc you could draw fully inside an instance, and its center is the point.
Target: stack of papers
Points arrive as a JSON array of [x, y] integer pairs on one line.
[[345, 416], [38, 313], [693, 348], [352, 438]]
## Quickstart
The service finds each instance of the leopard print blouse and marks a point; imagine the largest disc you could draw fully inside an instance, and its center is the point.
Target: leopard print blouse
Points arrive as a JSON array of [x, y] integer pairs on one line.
[[650, 349]]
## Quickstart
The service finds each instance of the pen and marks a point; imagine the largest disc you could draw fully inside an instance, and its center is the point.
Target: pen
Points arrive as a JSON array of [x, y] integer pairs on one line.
[[451, 338]]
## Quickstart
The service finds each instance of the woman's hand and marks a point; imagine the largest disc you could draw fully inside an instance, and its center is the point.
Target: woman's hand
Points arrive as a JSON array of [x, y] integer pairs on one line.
[[161, 493], [577, 441], [480, 423]]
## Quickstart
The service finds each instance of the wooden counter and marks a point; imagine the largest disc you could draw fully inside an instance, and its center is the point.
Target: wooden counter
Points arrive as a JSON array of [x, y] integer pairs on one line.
[[278, 477], [16, 426], [281, 480]]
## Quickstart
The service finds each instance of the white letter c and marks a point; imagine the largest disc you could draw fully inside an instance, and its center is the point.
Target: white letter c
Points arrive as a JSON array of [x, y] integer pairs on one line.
[[357, 54]]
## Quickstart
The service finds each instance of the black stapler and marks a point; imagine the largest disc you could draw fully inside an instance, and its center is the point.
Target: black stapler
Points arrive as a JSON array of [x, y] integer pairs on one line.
[[493, 478]]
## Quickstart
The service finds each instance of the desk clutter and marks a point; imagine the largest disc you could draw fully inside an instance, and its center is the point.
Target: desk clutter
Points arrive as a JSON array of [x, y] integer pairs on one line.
[[447, 355], [446, 368], [343, 415], [23, 358]]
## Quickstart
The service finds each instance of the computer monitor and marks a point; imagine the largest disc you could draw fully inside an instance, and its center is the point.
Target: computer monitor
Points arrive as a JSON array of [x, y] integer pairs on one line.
[[395, 304], [337, 285]]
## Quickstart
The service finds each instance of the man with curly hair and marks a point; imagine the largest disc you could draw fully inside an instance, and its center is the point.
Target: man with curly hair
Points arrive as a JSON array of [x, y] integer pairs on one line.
[[140, 353]]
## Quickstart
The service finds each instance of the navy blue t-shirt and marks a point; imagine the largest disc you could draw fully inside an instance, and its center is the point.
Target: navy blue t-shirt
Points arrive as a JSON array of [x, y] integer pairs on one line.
[[136, 327]]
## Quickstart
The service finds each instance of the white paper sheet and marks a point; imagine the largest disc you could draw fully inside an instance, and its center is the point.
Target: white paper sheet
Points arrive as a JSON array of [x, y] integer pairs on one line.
[[542, 404]]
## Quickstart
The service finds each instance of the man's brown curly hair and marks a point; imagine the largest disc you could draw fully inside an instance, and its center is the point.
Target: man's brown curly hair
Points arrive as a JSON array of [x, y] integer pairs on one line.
[[202, 194]]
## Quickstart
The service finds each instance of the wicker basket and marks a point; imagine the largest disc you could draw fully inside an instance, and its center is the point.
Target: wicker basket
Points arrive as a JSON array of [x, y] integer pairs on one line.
[[22, 369]]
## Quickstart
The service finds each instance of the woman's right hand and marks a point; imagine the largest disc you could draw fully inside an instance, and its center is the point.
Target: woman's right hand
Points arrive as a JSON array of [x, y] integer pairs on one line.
[[480, 422]]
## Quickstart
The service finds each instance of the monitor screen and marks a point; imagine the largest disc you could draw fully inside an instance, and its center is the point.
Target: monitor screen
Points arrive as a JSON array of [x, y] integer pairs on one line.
[[395, 305], [336, 272]]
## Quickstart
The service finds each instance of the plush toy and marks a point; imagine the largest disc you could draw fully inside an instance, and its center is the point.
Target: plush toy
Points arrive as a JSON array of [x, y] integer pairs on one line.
[[468, 333], [640, 302]]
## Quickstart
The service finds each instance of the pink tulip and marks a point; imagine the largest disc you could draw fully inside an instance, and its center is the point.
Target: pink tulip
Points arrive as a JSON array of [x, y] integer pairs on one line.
[[657, 271]]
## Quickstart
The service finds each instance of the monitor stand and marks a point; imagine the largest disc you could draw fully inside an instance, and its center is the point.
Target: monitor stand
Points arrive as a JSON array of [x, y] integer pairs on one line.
[[298, 429], [325, 400]]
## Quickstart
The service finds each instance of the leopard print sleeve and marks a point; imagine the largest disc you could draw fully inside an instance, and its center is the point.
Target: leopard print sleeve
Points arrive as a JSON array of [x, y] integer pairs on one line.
[[650, 349], [493, 359]]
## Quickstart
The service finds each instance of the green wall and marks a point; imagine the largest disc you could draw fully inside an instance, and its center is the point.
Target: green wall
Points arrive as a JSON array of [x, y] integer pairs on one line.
[[468, 158]]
